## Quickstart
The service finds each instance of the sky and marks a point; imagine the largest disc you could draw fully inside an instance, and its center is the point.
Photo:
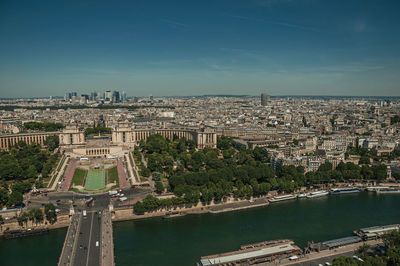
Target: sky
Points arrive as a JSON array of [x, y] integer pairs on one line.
[[196, 47]]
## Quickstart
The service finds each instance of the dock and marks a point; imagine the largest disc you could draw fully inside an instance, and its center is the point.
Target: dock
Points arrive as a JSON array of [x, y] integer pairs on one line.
[[254, 253]]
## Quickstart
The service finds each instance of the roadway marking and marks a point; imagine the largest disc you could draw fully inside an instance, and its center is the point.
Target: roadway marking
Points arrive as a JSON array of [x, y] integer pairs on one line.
[[90, 238]]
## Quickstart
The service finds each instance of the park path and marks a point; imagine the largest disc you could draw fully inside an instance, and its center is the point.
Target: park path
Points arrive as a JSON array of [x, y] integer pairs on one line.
[[60, 173], [69, 173], [123, 181]]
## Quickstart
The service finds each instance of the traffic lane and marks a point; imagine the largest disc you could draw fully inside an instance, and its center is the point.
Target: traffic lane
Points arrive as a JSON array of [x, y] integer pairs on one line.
[[93, 250], [322, 261], [81, 251]]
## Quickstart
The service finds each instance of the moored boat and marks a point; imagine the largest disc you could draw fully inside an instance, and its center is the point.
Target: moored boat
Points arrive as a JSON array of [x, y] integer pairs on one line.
[[345, 190], [374, 189], [391, 190], [317, 194], [282, 198], [302, 195], [172, 214]]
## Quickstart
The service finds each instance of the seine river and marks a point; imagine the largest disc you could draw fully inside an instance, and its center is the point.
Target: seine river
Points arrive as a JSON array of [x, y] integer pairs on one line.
[[182, 240]]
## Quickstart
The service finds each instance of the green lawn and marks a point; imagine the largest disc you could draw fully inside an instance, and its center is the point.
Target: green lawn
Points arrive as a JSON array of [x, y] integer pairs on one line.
[[95, 179], [79, 177], [113, 175]]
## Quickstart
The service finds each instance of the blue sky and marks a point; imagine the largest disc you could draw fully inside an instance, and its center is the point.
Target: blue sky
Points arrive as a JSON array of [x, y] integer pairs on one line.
[[298, 47]]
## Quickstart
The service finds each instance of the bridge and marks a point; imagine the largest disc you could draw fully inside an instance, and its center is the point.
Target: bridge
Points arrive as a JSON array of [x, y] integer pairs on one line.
[[89, 240]]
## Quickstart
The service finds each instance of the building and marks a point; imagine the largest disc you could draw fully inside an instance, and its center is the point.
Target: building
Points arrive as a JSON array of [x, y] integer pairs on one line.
[[116, 97], [9, 140], [264, 99], [108, 96], [124, 134]]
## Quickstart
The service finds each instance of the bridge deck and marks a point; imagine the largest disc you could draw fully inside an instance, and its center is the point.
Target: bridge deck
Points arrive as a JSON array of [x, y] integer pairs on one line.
[[89, 240]]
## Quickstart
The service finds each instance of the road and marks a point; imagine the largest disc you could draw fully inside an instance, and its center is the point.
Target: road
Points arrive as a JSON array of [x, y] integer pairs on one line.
[[66, 255], [86, 251], [64, 200], [323, 261]]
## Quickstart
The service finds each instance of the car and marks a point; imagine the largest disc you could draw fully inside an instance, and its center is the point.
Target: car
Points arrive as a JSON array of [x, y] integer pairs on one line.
[[251, 201], [58, 200]]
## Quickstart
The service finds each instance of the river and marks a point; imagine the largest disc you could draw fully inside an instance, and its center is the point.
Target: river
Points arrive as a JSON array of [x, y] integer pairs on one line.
[[182, 240]]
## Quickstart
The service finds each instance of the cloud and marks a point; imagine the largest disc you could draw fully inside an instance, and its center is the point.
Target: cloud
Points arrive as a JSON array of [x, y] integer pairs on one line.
[[174, 24], [359, 25], [277, 22], [295, 26], [270, 3]]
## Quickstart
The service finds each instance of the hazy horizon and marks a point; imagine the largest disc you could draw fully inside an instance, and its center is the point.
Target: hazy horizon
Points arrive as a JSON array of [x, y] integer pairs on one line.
[[176, 48]]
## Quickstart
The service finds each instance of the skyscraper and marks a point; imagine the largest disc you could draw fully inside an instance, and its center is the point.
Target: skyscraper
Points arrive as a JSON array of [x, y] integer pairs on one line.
[[264, 99], [116, 97], [108, 96]]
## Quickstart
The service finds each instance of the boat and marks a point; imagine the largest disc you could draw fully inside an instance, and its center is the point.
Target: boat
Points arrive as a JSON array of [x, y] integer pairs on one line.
[[21, 233], [317, 194], [282, 198], [391, 190], [302, 195], [345, 190], [172, 214], [374, 189]]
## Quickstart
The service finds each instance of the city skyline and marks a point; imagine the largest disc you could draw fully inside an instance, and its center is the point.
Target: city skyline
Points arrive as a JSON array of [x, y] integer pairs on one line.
[[225, 47]]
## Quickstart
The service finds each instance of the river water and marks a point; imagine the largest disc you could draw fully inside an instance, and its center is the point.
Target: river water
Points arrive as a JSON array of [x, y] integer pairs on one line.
[[182, 240]]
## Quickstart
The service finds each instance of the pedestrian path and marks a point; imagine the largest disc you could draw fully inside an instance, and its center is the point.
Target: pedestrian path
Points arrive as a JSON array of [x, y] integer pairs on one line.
[[69, 173], [123, 181]]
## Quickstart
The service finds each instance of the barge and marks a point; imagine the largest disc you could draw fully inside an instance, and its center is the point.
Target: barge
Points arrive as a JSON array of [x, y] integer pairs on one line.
[[250, 254], [21, 233], [390, 190], [282, 198], [173, 214], [317, 194], [345, 190]]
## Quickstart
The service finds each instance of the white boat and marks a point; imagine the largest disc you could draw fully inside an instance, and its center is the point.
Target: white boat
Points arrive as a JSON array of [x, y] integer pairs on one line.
[[317, 194], [302, 195], [392, 190], [282, 198], [345, 190], [374, 189]]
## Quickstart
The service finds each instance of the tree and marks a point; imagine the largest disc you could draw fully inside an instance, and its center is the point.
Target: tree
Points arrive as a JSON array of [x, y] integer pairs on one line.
[[52, 142], [138, 208], [23, 218], [50, 211], [344, 261], [159, 187], [3, 197], [36, 215], [223, 142], [15, 199]]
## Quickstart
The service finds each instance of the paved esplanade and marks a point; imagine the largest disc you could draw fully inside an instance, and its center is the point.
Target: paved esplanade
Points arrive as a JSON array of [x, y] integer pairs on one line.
[[86, 240]]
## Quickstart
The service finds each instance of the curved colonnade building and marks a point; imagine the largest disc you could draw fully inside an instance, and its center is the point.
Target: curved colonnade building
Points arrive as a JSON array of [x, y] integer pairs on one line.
[[124, 137]]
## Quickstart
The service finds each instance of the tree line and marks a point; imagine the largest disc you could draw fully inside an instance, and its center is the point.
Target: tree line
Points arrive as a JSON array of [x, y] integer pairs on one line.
[[43, 126], [22, 165], [215, 174]]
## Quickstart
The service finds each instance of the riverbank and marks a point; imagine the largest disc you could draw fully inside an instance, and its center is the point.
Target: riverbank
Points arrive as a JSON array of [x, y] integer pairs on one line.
[[62, 221], [229, 205]]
